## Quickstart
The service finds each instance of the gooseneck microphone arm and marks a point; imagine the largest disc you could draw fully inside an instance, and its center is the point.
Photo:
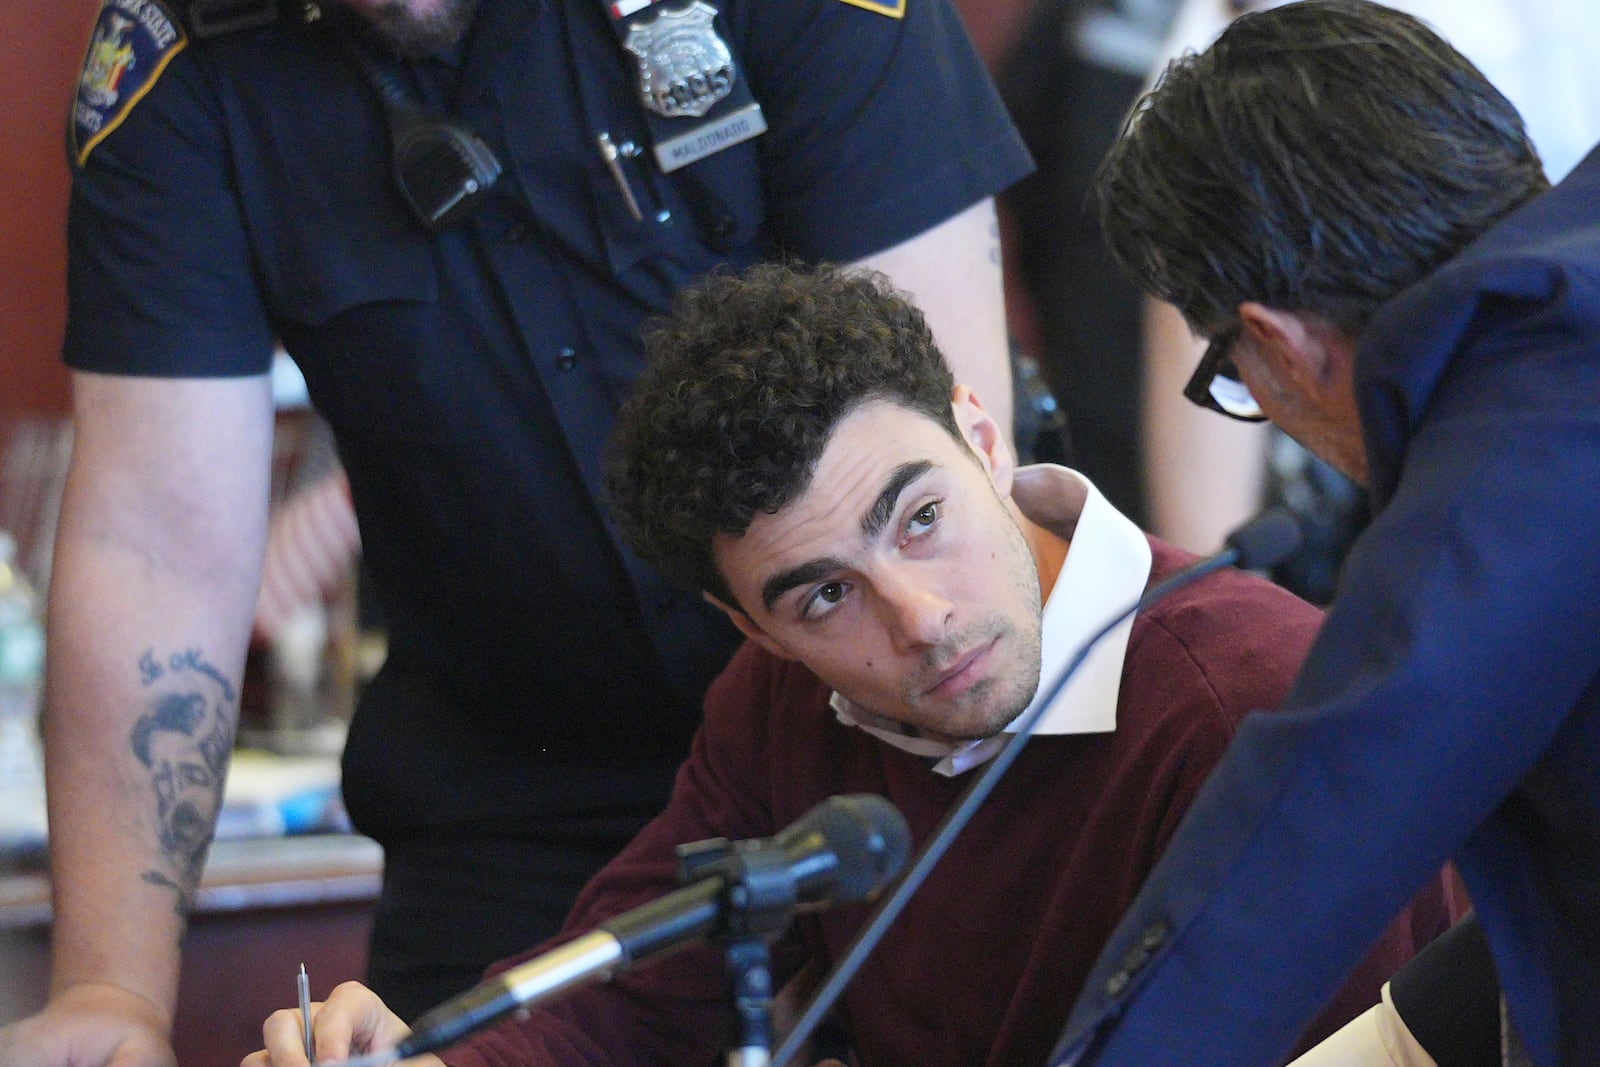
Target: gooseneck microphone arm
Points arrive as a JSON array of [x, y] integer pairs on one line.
[[1259, 543], [843, 850]]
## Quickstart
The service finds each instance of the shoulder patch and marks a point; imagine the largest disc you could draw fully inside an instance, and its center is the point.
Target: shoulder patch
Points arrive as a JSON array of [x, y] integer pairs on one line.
[[893, 8], [132, 44]]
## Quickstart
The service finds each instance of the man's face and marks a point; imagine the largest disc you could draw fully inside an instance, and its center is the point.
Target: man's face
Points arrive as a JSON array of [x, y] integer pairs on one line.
[[418, 28], [187, 793], [900, 577], [1316, 409]]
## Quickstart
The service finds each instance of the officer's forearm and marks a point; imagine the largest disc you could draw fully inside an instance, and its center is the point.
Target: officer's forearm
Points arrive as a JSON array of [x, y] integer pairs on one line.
[[953, 273], [153, 589]]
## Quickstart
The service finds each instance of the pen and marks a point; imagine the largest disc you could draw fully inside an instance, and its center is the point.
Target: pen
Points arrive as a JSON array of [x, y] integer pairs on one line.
[[612, 156], [302, 984]]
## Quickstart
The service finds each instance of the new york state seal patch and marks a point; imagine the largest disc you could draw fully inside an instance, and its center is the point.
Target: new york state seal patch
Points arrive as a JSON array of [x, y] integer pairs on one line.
[[132, 43]]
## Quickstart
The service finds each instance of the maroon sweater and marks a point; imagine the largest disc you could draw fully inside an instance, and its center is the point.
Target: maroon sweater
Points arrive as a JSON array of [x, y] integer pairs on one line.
[[983, 965]]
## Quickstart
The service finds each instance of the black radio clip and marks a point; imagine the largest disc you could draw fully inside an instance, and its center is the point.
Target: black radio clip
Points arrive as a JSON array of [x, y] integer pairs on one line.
[[214, 18]]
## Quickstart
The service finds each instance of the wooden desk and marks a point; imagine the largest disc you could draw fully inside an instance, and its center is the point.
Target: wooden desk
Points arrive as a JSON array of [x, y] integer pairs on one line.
[[264, 907]]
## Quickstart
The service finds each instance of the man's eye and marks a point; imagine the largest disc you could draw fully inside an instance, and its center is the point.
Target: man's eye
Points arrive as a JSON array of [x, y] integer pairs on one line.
[[924, 518], [823, 600]]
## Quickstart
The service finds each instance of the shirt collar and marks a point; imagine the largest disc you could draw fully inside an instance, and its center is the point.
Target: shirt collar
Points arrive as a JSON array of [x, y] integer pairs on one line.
[[1106, 569]]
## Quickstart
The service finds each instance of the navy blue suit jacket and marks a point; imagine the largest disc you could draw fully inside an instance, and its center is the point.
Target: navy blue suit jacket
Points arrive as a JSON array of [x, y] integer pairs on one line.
[[1450, 708]]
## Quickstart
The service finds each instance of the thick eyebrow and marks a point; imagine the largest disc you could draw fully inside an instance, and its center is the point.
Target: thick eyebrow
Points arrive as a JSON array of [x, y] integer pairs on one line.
[[872, 524], [803, 574], [877, 516]]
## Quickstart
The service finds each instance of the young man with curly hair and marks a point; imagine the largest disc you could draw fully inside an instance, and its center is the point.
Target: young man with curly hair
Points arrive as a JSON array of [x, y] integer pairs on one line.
[[799, 451]]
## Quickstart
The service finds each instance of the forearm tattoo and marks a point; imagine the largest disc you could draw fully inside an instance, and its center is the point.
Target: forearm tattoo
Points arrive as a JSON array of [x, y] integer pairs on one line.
[[183, 739]]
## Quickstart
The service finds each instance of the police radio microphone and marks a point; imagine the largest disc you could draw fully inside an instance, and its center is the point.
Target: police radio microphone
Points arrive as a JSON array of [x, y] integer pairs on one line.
[[1262, 542], [842, 851], [441, 168], [1259, 543]]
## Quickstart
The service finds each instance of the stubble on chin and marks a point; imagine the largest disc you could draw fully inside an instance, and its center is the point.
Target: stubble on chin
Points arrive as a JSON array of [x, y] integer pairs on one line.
[[994, 702]]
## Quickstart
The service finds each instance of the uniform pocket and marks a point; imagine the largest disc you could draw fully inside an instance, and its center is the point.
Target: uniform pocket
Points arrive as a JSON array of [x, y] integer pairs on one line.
[[362, 261], [330, 231]]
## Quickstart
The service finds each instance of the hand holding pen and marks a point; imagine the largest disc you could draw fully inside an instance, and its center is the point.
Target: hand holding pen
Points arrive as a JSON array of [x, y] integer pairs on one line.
[[353, 1028]]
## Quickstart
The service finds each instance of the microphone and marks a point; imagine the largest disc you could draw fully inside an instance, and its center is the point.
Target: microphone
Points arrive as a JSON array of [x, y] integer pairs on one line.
[[1259, 543], [841, 851], [1263, 541]]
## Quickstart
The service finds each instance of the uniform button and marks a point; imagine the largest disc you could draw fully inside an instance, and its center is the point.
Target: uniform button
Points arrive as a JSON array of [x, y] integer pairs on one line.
[[566, 359], [1154, 937]]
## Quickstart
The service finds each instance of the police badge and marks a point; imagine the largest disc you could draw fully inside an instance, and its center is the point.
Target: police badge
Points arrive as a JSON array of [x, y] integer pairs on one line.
[[694, 99], [684, 67]]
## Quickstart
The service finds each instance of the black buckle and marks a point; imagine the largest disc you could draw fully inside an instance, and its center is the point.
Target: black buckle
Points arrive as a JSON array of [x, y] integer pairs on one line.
[[213, 18]]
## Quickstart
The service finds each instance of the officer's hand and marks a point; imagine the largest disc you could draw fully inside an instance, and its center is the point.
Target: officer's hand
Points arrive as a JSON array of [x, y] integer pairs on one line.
[[351, 1022], [90, 1025]]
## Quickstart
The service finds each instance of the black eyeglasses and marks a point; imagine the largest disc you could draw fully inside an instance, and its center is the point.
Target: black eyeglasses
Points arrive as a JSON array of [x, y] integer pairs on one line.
[[1216, 385]]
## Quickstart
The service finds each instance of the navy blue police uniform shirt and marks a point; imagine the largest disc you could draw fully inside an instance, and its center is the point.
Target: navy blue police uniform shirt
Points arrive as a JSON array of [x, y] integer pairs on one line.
[[472, 377]]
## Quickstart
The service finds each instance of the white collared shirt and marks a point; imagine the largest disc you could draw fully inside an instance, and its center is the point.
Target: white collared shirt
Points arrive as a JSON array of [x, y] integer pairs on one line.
[[1106, 570]]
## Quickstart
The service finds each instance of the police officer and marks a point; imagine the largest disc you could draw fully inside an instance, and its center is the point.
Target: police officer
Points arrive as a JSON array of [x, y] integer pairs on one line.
[[455, 215]]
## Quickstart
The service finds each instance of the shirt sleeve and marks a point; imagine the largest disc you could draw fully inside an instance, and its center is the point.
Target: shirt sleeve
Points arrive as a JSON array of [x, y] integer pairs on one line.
[[160, 278], [882, 122]]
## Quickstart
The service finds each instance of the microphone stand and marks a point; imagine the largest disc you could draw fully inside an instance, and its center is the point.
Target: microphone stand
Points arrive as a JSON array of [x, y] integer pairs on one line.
[[758, 904], [750, 988], [1259, 543]]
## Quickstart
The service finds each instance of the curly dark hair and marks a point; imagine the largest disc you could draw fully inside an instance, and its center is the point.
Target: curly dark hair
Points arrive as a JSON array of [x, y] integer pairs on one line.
[[746, 380], [1320, 157]]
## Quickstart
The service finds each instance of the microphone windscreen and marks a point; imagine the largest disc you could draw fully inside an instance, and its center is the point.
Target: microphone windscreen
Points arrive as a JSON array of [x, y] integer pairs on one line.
[[1265, 540], [866, 836]]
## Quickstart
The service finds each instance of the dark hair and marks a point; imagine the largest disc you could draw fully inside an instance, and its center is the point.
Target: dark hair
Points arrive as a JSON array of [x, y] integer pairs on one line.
[[745, 383], [1321, 156]]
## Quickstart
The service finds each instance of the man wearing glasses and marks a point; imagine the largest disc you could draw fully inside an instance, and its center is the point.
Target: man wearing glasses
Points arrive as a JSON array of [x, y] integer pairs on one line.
[[1216, 384], [1357, 220]]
